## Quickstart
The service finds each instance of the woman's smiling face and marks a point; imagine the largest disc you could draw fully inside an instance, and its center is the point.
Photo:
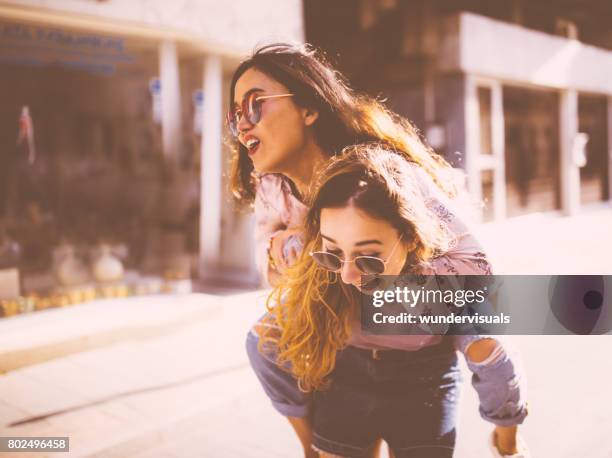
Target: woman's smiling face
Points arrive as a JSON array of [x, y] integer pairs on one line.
[[349, 232], [281, 133]]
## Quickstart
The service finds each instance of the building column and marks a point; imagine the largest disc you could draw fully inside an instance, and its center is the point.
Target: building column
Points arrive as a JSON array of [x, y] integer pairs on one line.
[[472, 139], [170, 101], [570, 172], [211, 171], [498, 139]]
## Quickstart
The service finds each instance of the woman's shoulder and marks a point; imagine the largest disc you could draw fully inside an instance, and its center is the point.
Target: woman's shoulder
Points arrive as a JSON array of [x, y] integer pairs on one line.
[[271, 188], [465, 255], [269, 182], [275, 191]]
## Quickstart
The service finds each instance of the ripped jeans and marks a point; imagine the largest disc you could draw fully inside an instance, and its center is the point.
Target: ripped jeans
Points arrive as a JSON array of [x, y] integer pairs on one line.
[[498, 381]]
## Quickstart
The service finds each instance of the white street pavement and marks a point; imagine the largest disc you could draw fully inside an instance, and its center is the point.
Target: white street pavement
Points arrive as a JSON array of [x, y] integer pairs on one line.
[[167, 376]]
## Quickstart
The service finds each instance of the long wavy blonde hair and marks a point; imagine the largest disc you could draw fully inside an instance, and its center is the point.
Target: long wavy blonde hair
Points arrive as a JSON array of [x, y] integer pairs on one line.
[[311, 312]]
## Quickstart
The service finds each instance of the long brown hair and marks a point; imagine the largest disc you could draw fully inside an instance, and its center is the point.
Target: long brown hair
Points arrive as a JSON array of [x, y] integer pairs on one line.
[[346, 117], [313, 312]]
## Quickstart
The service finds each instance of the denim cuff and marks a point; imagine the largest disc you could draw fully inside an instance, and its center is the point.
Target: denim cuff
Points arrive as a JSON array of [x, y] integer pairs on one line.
[[514, 417], [291, 410]]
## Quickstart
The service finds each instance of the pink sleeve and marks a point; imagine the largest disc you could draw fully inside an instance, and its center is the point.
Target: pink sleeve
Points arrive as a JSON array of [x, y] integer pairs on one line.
[[466, 257], [268, 219]]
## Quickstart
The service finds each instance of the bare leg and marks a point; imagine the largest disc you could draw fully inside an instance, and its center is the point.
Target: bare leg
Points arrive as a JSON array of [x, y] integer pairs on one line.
[[303, 429], [376, 450]]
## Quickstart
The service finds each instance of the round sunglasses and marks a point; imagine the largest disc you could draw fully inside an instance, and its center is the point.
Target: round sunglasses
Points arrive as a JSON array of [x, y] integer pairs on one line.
[[367, 265], [250, 108]]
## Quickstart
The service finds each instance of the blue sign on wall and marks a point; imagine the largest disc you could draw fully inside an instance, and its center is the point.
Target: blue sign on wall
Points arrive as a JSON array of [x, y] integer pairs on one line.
[[35, 45]]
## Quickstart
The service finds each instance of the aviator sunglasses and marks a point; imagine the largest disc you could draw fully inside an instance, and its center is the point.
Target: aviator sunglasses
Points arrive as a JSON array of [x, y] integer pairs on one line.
[[250, 108], [368, 265]]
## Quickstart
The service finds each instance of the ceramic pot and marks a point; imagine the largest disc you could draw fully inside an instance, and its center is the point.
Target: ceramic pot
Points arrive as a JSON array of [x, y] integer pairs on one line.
[[106, 267]]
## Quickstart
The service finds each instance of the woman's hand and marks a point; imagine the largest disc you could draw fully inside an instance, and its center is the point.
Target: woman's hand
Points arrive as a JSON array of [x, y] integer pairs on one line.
[[277, 243], [505, 439]]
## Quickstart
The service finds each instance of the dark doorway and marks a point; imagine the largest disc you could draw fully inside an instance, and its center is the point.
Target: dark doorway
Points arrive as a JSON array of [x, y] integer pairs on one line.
[[592, 120], [532, 150]]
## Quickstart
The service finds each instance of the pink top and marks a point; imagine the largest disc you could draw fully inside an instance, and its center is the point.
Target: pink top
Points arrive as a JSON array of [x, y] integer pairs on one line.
[[276, 208]]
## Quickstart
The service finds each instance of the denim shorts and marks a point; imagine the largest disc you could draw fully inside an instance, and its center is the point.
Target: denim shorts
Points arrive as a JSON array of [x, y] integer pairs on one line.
[[407, 398]]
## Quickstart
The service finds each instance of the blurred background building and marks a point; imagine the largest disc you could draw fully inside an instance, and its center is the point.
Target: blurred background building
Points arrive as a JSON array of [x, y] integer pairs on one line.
[[112, 137], [112, 155], [518, 93]]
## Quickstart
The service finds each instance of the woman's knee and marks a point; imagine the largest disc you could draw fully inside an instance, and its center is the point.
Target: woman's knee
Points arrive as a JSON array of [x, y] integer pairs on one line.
[[483, 351]]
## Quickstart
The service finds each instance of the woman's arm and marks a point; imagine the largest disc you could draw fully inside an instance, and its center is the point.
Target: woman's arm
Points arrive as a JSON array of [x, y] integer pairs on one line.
[[498, 379], [497, 376], [279, 219], [268, 221], [505, 436]]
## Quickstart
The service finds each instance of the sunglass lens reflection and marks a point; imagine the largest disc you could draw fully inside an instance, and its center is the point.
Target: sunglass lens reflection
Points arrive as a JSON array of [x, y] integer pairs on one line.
[[370, 265], [233, 125], [253, 113], [327, 261]]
